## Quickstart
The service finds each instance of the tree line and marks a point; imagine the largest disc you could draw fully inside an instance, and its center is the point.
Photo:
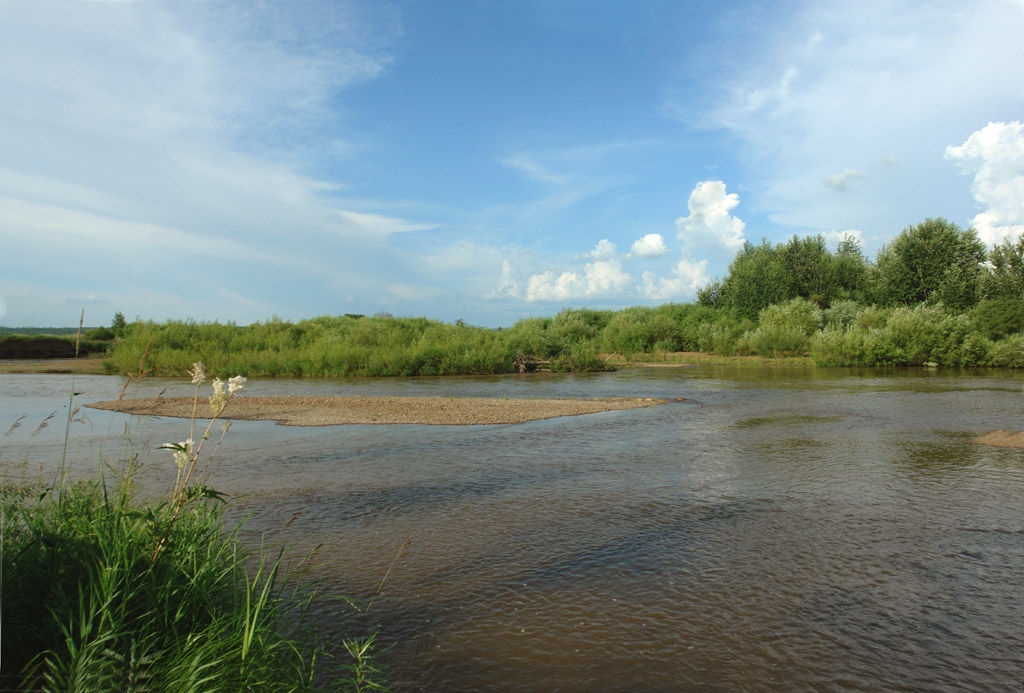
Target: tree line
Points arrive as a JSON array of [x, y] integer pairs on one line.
[[932, 262], [934, 295]]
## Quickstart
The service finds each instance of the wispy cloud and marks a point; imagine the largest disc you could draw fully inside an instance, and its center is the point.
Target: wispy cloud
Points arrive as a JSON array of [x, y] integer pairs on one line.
[[570, 175], [165, 143], [840, 182], [844, 86]]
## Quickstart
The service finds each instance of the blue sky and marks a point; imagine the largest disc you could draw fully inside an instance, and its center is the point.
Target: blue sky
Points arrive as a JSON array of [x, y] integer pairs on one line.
[[479, 160]]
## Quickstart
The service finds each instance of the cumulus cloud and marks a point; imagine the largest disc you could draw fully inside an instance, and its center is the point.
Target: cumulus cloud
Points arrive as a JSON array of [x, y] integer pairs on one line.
[[508, 282], [651, 245], [995, 156], [604, 250], [840, 182], [684, 280], [710, 227], [600, 279], [834, 238]]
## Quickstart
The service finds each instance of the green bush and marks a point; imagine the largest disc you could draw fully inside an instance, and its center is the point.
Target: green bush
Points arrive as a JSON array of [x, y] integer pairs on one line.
[[997, 317], [843, 313], [100, 334], [798, 313], [1007, 353], [773, 339], [636, 330]]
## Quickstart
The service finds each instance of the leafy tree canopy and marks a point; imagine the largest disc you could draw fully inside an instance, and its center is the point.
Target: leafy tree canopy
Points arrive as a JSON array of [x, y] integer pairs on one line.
[[932, 261], [766, 274]]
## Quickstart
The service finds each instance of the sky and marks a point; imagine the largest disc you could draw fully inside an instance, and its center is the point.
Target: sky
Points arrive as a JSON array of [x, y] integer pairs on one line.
[[484, 161]]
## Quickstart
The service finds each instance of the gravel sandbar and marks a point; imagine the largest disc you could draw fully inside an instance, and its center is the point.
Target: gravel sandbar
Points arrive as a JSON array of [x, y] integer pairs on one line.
[[333, 411]]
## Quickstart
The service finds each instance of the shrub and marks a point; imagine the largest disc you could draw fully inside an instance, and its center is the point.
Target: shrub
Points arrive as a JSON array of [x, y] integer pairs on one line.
[[842, 314], [1007, 353], [100, 334], [638, 329], [799, 314], [997, 317]]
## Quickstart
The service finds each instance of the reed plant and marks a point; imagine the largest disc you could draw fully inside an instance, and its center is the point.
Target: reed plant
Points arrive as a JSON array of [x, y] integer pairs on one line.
[[104, 591]]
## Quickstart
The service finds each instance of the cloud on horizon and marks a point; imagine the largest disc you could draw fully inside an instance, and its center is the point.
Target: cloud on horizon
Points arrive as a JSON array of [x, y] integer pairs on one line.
[[708, 229]]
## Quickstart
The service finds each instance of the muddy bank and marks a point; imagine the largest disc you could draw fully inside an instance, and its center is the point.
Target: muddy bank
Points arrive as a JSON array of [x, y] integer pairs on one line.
[[333, 411]]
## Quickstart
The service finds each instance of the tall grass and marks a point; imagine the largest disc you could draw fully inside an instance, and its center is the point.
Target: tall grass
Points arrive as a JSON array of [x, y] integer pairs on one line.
[[93, 608], [103, 591], [326, 346], [844, 333]]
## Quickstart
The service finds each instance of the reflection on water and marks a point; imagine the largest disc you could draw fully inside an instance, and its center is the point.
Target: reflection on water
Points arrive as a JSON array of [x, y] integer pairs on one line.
[[785, 529]]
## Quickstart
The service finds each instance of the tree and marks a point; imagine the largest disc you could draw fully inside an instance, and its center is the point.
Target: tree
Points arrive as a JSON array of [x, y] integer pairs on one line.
[[1004, 277], [931, 261], [849, 270], [766, 274], [119, 323], [758, 277], [808, 262]]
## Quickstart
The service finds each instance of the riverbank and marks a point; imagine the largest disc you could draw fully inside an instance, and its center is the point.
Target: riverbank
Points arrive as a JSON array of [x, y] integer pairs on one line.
[[95, 365], [669, 359], [81, 366], [334, 411]]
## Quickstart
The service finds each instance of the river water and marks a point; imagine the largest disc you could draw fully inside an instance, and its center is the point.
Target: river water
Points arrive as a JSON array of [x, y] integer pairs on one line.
[[776, 530]]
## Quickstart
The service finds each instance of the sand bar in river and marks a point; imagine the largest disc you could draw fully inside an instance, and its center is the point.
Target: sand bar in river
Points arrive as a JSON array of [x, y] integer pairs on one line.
[[1002, 439], [332, 411]]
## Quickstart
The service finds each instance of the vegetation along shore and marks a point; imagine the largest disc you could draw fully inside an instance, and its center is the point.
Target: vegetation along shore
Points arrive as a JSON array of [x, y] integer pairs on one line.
[[933, 296]]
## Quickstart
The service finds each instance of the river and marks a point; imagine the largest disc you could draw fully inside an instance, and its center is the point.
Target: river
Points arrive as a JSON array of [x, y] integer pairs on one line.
[[781, 529]]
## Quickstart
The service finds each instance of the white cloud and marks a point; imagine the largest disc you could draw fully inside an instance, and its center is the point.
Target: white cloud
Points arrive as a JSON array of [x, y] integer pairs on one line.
[[378, 225], [886, 80], [508, 283], [649, 246], [840, 182], [170, 142], [710, 227], [995, 156], [682, 282], [834, 238], [604, 250], [603, 278]]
